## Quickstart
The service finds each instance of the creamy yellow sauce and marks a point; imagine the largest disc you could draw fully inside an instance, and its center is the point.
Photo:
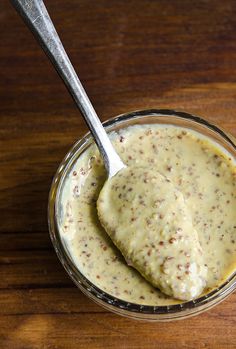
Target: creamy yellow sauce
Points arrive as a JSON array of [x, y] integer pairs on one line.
[[148, 220], [197, 167]]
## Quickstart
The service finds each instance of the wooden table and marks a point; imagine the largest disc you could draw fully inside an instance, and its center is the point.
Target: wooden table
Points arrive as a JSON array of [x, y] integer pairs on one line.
[[130, 55]]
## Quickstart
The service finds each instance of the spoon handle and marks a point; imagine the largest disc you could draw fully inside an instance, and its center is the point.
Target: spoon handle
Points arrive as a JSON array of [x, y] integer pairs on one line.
[[38, 20]]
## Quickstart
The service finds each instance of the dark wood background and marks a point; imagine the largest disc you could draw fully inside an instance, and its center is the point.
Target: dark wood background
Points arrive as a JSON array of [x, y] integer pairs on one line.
[[129, 55]]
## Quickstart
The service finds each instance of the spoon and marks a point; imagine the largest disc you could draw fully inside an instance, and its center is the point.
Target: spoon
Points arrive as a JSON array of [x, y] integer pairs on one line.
[[36, 16], [128, 237]]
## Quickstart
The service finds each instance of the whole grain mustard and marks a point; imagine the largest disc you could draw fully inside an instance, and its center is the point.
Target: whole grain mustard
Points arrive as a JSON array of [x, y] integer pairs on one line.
[[148, 220], [202, 174]]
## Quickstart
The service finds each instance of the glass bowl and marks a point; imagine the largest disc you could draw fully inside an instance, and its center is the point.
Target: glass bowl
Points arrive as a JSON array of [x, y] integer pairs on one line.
[[132, 310]]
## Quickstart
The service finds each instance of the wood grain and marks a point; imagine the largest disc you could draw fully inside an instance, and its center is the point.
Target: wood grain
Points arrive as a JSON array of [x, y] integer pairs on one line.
[[129, 55]]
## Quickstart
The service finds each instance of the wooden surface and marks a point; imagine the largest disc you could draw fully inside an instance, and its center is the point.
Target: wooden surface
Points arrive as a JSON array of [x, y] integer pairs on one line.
[[130, 55]]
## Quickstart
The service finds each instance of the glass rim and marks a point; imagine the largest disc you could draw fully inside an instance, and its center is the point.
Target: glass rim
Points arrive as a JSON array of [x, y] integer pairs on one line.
[[129, 309]]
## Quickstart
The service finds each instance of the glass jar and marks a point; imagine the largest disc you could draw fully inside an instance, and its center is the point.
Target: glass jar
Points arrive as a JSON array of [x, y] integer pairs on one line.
[[132, 310]]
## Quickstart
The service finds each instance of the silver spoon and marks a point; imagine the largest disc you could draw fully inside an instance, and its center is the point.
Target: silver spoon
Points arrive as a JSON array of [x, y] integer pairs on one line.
[[38, 20]]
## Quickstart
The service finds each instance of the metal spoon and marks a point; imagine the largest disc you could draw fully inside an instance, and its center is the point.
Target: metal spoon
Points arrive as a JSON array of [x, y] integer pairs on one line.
[[39, 22]]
